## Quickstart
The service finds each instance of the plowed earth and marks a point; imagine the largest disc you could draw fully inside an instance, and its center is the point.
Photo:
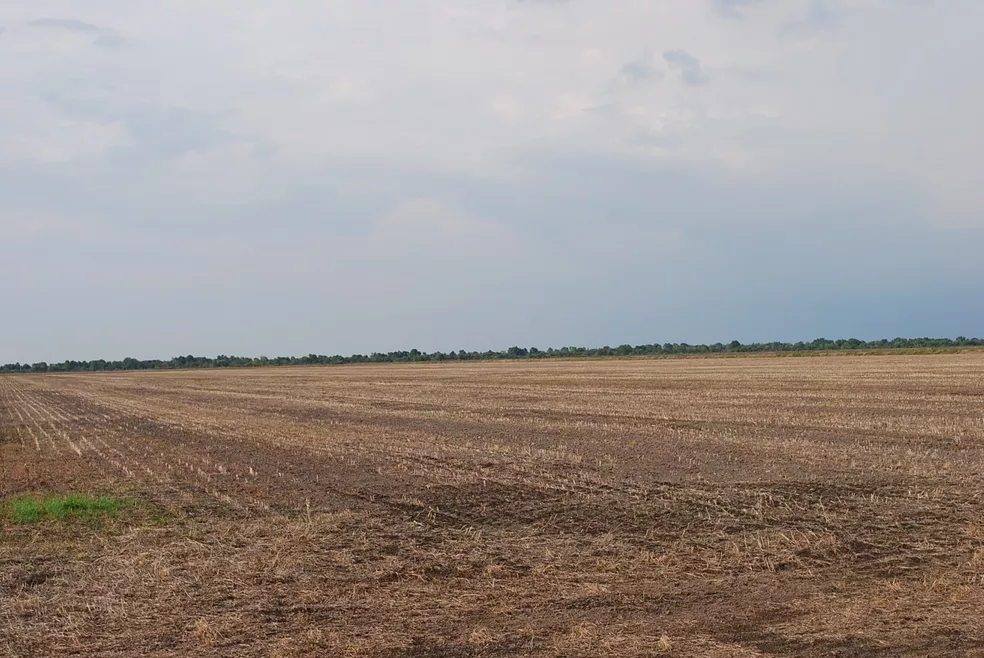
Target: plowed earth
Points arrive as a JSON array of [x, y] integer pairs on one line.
[[827, 506]]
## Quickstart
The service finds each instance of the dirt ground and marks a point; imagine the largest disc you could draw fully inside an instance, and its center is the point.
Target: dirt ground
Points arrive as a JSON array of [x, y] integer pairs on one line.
[[822, 506]]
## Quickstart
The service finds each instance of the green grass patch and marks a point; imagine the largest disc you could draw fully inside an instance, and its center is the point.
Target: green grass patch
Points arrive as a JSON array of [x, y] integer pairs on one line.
[[24, 510], [33, 509]]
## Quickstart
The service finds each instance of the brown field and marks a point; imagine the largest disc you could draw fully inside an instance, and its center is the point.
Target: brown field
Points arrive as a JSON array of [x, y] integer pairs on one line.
[[828, 506]]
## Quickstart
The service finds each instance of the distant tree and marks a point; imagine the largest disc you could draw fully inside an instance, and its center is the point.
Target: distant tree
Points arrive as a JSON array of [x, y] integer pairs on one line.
[[223, 361]]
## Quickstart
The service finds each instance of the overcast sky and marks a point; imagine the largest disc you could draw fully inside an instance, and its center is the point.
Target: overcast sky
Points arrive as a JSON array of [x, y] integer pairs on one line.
[[283, 176]]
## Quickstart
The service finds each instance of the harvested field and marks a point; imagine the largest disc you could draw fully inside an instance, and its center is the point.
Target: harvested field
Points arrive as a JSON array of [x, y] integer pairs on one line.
[[823, 506]]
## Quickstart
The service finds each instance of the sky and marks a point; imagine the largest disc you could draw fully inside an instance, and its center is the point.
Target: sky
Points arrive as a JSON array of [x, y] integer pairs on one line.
[[280, 177]]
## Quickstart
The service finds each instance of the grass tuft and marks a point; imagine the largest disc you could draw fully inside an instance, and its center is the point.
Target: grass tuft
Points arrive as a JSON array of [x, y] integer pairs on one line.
[[24, 510], [31, 509]]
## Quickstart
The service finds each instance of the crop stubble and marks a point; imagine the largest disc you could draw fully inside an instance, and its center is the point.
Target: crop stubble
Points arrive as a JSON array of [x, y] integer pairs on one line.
[[713, 507]]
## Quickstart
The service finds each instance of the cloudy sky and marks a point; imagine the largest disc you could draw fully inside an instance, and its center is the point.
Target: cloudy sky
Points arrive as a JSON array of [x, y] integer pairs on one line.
[[293, 176]]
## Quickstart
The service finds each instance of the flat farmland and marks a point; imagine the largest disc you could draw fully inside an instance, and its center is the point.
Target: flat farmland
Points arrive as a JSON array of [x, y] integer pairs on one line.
[[721, 507]]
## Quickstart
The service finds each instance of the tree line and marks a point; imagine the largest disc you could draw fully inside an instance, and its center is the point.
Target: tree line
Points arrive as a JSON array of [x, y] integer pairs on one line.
[[414, 355]]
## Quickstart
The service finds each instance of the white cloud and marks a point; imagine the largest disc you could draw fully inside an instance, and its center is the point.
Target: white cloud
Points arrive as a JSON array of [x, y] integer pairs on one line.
[[433, 243], [52, 139], [455, 87], [32, 223]]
